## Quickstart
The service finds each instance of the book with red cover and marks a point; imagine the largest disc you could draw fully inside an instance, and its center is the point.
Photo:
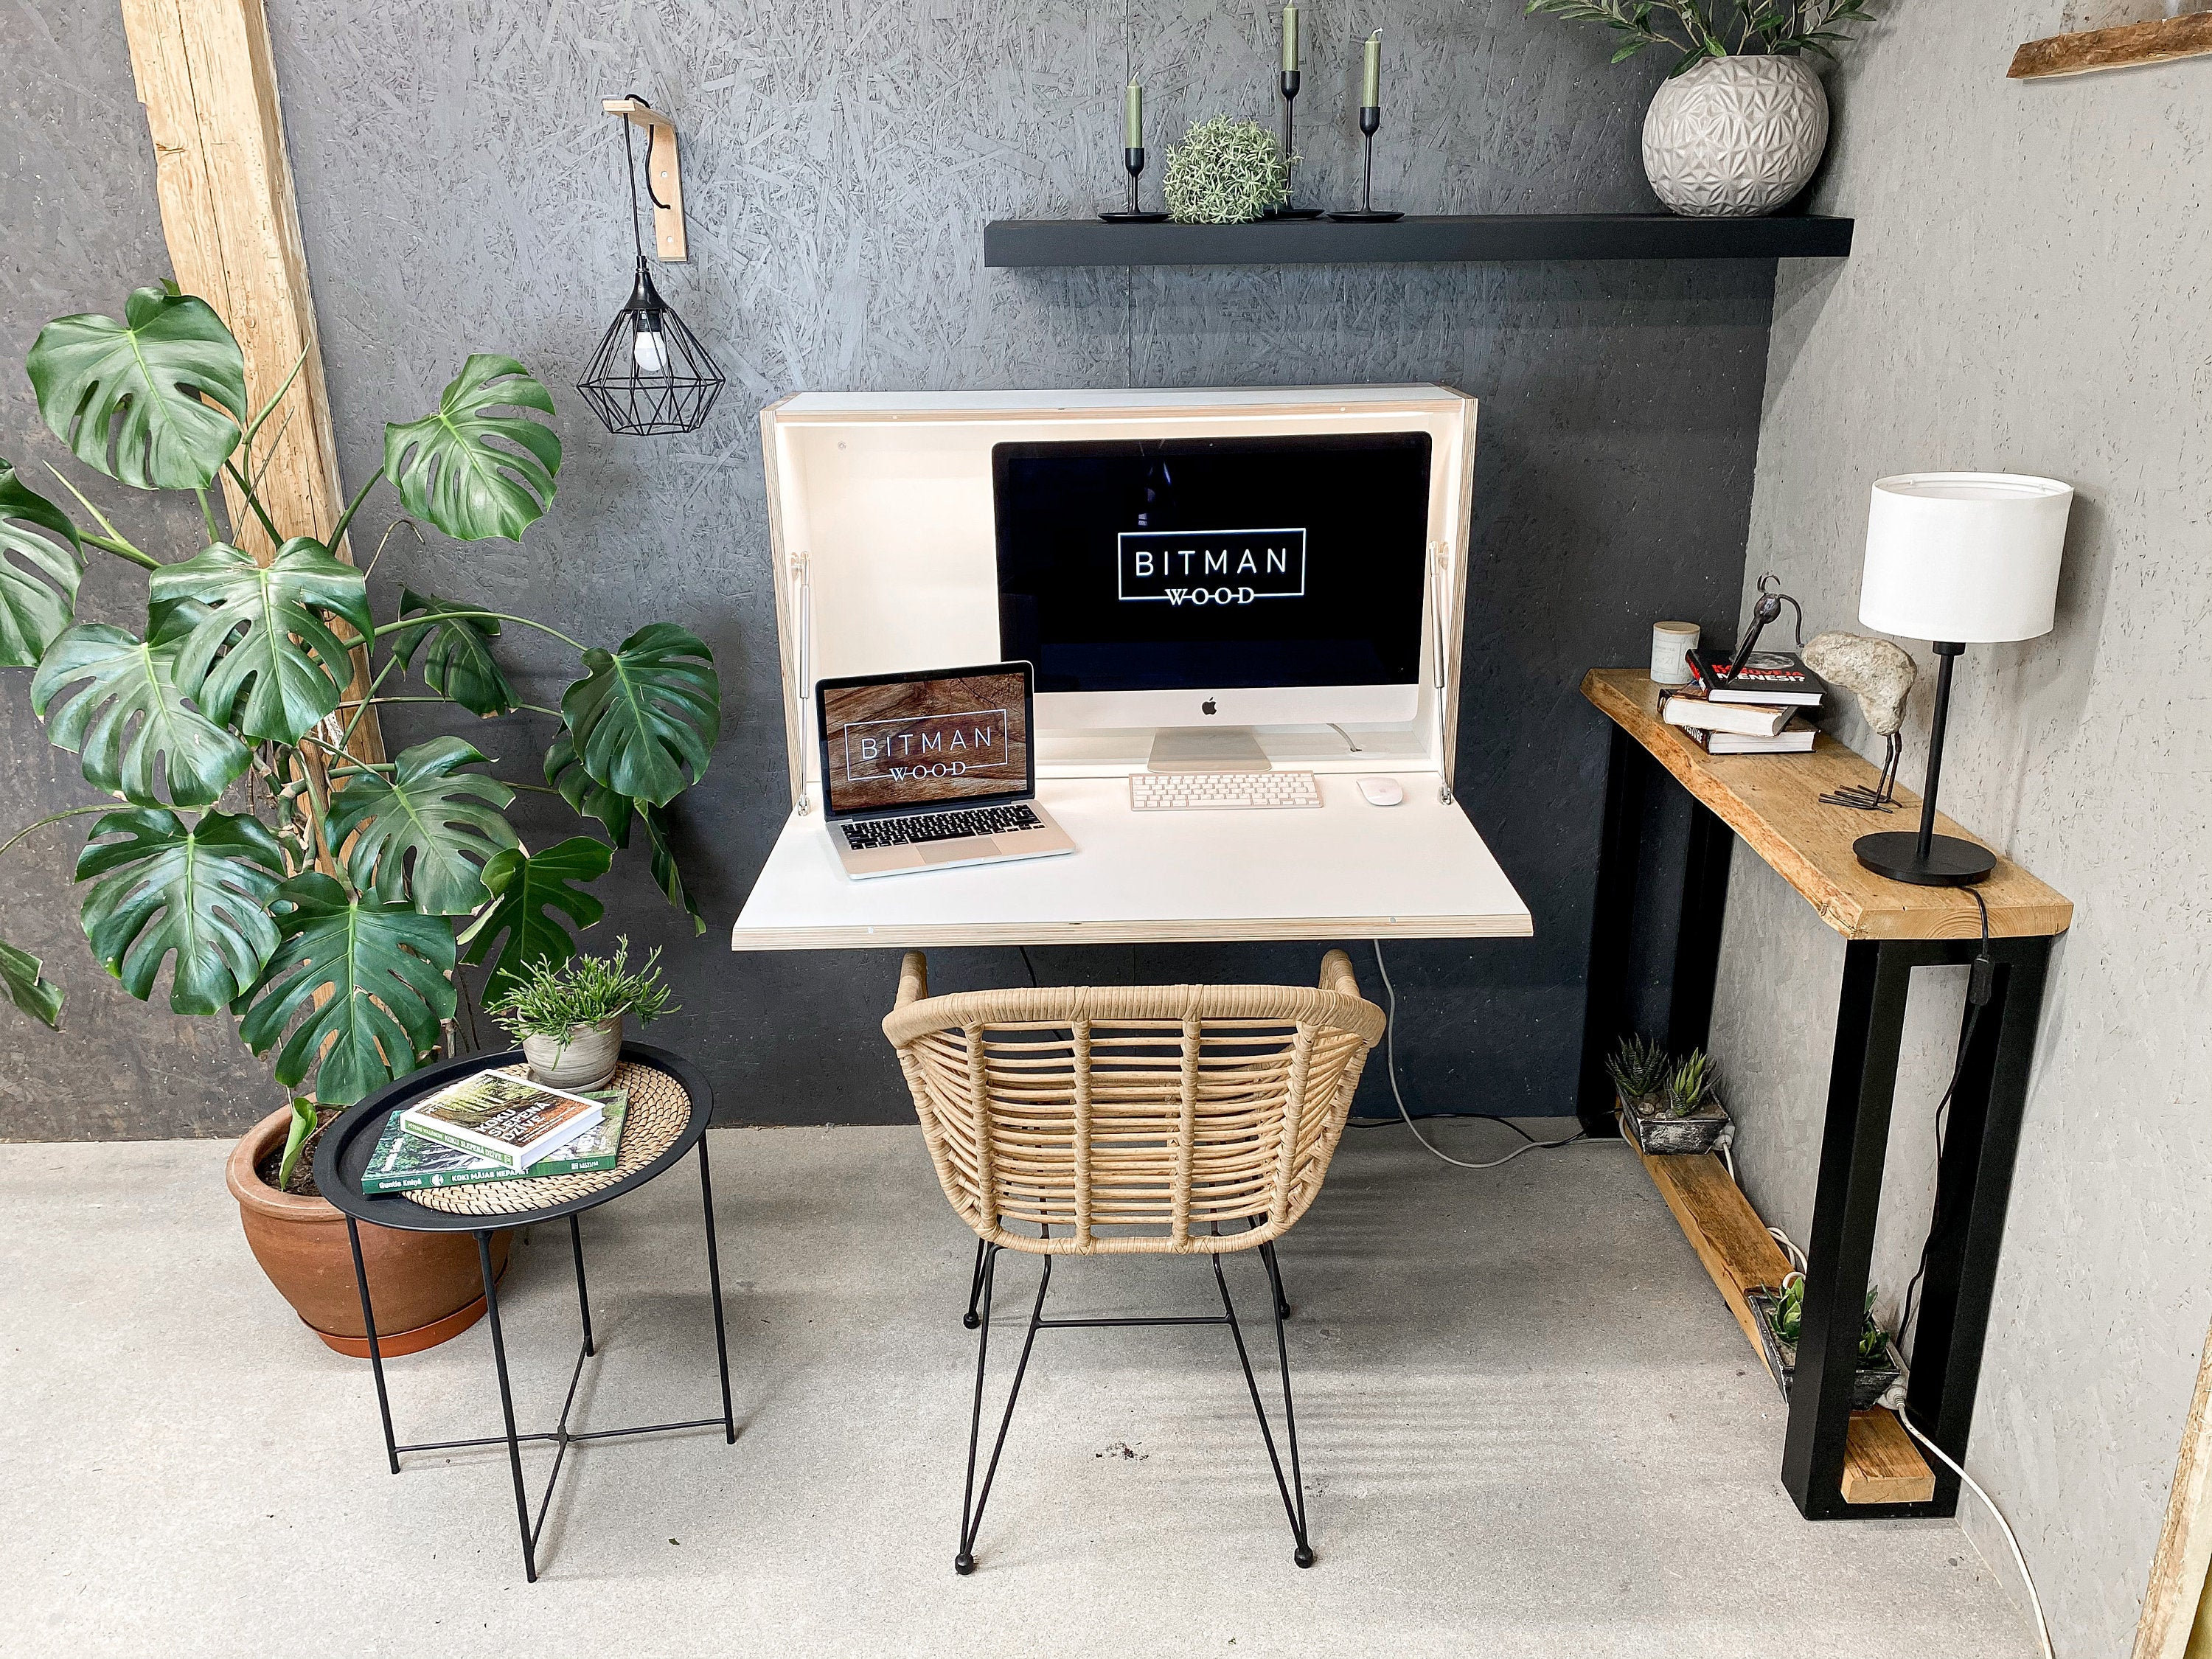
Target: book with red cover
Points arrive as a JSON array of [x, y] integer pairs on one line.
[[1771, 676]]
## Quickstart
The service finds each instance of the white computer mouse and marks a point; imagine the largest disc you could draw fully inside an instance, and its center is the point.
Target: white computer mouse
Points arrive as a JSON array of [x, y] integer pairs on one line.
[[1381, 791]]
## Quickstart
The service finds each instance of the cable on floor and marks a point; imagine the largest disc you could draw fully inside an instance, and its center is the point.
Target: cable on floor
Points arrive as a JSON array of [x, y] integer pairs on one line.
[[1530, 1144]]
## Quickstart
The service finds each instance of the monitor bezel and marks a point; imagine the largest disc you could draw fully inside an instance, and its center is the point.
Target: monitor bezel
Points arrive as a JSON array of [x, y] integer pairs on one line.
[[832, 813]]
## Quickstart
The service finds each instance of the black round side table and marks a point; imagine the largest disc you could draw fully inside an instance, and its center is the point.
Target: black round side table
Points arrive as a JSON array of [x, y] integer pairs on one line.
[[343, 1154]]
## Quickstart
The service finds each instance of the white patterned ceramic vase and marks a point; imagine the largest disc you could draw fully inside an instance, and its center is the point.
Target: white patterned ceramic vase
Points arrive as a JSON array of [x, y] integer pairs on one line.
[[1734, 138]]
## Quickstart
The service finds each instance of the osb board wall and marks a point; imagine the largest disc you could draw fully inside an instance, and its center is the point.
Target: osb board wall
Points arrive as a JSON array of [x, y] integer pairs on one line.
[[459, 190]]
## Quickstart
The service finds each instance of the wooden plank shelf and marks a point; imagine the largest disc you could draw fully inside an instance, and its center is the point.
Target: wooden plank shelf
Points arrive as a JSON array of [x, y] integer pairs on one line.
[[1773, 802], [1452, 239], [2131, 45], [1880, 1463]]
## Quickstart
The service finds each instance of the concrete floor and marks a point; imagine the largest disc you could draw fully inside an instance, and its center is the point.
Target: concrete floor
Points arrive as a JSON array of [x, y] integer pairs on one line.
[[1529, 1426]]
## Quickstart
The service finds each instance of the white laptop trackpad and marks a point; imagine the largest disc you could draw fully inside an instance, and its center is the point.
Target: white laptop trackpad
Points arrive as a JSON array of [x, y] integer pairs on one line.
[[949, 852]]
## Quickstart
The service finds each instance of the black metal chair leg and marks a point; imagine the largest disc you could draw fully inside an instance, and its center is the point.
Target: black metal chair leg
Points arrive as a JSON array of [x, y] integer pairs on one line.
[[507, 1406], [971, 1512], [714, 1288], [1294, 1509], [583, 1298], [1282, 1304], [975, 1289], [1290, 1412], [375, 1351]]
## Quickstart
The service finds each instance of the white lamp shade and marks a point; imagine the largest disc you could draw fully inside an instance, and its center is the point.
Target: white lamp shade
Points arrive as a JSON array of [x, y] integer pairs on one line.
[[1971, 557]]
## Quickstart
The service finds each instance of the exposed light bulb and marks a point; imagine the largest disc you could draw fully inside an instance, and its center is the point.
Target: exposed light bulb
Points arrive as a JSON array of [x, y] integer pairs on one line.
[[648, 351]]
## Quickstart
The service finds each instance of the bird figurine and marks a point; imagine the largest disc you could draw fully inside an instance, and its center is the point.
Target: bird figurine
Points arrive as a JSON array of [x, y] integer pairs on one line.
[[1879, 674]]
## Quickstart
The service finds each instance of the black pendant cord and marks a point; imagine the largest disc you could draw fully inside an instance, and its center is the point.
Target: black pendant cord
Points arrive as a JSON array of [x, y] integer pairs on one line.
[[629, 159]]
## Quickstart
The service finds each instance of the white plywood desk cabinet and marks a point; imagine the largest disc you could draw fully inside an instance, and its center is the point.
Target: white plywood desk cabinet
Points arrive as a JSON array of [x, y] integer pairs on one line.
[[885, 552]]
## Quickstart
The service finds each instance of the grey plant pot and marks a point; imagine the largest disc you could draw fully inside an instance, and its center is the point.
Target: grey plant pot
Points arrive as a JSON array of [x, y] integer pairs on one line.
[[1869, 1381], [1736, 138], [585, 1059], [1656, 1133]]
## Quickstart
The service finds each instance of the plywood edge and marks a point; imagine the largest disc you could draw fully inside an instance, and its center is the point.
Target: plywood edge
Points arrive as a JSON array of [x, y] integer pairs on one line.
[[1181, 931], [2184, 1541], [2128, 46], [1880, 1463]]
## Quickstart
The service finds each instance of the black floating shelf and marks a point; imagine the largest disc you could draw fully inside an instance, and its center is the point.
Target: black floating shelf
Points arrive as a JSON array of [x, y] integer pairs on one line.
[[1461, 239]]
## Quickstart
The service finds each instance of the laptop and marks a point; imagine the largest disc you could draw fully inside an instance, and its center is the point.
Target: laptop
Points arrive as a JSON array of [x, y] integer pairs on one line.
[[931, 771]]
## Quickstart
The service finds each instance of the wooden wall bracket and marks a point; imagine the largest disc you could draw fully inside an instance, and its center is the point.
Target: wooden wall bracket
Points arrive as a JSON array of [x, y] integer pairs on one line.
[[2128, 46], [664, 175]]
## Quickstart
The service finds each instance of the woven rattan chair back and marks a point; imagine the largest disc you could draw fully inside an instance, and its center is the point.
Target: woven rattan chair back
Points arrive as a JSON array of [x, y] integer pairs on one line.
[[1132, 1119]]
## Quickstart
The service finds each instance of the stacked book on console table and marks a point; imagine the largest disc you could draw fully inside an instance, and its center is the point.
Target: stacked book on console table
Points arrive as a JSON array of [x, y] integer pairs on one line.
[[1755, 712]]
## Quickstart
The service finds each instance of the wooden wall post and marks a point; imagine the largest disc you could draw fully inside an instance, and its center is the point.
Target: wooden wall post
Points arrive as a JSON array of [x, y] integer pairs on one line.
[[2185, 1544], [208, 79]]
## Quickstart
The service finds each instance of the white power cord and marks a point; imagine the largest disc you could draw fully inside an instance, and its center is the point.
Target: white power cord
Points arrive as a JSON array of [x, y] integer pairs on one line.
[[1390, 1058]]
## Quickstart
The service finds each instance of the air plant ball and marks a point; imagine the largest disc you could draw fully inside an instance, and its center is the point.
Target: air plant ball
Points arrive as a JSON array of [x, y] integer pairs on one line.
[[1226, 173]]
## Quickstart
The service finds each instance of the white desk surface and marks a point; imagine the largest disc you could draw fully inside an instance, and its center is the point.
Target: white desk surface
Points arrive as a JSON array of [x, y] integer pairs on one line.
[[1346, 869]]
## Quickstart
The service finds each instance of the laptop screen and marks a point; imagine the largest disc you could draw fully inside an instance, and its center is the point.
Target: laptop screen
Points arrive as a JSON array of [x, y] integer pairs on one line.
[[903, 743]]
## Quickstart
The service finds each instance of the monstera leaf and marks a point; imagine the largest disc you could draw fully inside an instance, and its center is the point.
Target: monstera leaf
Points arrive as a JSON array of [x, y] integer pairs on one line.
[[41, 562], [128, 722], [564, 770], [526, 887], [450, 470], [28, 987], [645, 713], [202, 891], [421, 832], [265, 649], [155, 401], [459, 664], [370, 979]]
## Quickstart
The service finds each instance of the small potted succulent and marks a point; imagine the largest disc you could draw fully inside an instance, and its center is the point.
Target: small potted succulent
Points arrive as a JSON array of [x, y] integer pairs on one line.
[[569, 1015], [1781, 1319], [1741, 120], [1664, 1106]]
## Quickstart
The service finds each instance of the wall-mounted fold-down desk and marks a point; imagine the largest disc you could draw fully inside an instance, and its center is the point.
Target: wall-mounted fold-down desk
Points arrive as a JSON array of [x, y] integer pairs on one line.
[[880, 516]]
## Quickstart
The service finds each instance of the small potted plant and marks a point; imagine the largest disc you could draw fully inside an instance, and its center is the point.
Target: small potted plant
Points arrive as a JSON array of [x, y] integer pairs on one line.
[[1226, 173], [1781, 1319], [1675, 1108], [569, 1015]]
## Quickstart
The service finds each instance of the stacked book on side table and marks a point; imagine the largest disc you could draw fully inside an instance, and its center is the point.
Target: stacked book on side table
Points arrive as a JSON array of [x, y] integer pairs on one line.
[[496, 1127], [1755, 712]]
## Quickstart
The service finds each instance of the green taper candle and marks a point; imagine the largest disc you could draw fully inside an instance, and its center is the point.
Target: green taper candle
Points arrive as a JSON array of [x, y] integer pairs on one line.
[[1370, 83], [1290, 40], [1133, 119]]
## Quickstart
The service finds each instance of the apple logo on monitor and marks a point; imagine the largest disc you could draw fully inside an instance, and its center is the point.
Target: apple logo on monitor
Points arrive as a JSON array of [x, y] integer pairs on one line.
[[1208, 706]]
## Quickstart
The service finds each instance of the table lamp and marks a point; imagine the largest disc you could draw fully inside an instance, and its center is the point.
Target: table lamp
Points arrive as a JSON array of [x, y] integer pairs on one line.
[[1954, 558]]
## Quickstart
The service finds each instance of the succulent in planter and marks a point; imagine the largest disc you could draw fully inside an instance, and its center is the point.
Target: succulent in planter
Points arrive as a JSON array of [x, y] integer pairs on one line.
[[1639, 1069], [1225, 173], [1693, 1085], [253, 839], [1782, 1322], [1667, 1106], [1742, 120], [568, 1015], [1789, 1319]]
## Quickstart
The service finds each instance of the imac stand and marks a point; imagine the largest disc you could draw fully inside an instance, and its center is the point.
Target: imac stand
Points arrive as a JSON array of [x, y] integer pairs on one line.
[[1207, 749]]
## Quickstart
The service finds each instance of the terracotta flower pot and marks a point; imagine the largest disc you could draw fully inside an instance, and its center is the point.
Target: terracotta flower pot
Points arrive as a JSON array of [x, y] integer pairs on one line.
[[426, 1287]]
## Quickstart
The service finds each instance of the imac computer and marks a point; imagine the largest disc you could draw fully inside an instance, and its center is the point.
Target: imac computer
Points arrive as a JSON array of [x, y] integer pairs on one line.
[[1211, 582]]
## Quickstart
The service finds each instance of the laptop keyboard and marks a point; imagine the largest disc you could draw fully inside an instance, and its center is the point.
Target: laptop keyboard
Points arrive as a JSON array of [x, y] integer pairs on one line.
[[938, 826]]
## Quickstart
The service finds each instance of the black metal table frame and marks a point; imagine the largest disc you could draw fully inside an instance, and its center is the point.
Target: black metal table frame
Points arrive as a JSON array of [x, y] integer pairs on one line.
[[1973, 1178], [380, 1213]]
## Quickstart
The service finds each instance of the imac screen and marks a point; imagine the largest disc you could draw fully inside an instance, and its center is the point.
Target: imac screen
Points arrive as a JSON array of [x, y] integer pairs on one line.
[[900, 743], [1178, 564]]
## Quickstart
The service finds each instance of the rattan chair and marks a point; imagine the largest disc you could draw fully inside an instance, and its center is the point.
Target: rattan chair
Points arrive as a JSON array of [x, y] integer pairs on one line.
[[1139, 1120]]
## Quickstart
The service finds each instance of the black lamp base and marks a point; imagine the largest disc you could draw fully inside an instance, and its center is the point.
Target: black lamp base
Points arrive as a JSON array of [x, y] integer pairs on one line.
[[1366, 216], [1293, 213], [1133, 218], [1950, 862]]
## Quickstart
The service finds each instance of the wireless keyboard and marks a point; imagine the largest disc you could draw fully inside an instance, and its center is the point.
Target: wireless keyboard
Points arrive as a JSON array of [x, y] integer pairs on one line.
[[1206, 792]]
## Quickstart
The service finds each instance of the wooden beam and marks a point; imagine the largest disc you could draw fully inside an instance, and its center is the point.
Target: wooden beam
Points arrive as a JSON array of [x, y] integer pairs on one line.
[[1880, 1463], [2130, 47], [664, 175], [208, 80], [2185, 1544]]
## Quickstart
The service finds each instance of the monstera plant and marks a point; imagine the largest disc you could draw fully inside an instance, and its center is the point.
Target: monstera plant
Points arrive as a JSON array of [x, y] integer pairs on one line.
[[293, 881]]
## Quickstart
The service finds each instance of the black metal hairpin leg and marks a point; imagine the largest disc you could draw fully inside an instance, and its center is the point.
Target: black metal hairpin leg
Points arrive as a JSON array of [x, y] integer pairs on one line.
[[975, 1288], [715, 1289], [375, 1351], [583, 1299], [1282, 1303], [971, 1501], [507, 1409], [1293, 1490]]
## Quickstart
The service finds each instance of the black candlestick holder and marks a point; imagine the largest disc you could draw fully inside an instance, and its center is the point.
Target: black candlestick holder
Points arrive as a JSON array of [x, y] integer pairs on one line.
[[1135, 161], [1371, 118], [1290, 84]]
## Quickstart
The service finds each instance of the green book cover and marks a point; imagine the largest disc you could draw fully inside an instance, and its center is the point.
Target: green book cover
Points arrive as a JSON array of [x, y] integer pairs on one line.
[[404, 1163]]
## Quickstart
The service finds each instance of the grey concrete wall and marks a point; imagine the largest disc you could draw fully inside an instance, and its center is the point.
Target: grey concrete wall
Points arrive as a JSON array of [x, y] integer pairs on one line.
[[459, 191], [2025, 292]]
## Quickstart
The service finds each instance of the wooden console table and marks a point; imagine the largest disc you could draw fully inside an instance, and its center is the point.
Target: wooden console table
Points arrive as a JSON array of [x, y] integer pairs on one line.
[[1772, 801]]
